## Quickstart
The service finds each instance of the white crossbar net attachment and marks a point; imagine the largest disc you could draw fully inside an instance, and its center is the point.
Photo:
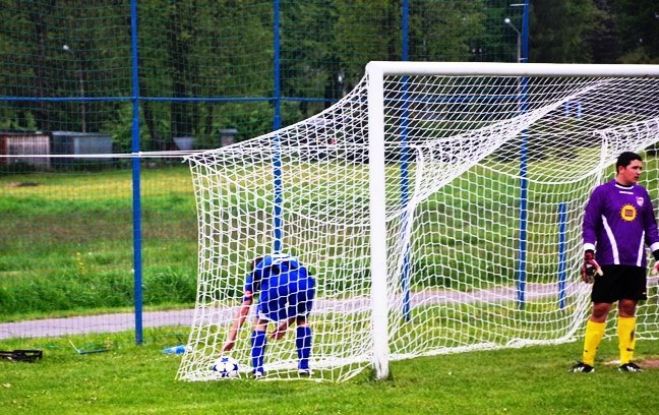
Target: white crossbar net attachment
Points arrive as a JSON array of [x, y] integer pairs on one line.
[[486, 178]]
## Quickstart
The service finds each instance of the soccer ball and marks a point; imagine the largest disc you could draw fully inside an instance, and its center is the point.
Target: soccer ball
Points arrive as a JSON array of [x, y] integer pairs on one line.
[[226, 367]]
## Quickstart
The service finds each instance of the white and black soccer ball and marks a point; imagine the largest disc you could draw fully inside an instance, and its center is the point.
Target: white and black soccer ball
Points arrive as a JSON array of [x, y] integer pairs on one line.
[[226, 367]]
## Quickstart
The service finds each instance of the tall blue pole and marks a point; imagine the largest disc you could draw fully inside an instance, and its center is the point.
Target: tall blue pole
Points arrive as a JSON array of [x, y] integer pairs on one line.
[[278, 210], [137, 203], [405, 159], [405, 30], [523, 166], [525, 33], [276, 123], [562, 254]]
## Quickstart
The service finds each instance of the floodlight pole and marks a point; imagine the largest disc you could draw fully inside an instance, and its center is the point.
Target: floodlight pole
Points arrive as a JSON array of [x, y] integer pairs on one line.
[[519, 38], [81, 86], [277, 174], [522, 57], [136, 177], [405, 161]]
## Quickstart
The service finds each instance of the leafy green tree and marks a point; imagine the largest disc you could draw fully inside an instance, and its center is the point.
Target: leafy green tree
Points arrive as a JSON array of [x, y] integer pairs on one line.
[[560, 30], [604, 41], [638, 24], [366, 30], [446, 30], [309, 61]]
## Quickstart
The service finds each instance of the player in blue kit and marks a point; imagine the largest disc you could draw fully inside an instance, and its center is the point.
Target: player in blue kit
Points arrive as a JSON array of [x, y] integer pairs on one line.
[[618, 224], [285, 291]]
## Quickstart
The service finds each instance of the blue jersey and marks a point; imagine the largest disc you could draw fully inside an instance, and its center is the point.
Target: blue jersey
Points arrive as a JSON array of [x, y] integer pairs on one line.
[[285, 288], [619, 221]]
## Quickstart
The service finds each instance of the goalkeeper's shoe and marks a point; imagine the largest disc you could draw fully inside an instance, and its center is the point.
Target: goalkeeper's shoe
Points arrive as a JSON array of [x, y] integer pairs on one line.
[[582, 367], [304, 372], [630, 367], [258, 373]]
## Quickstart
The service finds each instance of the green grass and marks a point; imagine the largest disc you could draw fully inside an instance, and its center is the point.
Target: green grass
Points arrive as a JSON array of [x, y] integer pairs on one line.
[[67, 241], [133, 379], [66, 249]]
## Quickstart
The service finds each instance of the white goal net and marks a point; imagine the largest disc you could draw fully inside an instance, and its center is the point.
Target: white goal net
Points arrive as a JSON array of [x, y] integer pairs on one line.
[[462, 233]]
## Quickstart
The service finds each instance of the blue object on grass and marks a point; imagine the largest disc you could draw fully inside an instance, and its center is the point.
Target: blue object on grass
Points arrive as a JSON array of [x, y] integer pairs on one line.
[[180, 349]]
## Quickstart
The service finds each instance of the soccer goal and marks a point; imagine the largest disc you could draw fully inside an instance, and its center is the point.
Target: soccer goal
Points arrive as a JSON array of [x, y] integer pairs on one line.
[[437, 205]]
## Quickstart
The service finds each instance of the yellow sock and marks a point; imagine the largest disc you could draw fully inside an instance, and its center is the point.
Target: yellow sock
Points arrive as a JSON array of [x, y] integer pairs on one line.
[[594, 334], [626, 338]]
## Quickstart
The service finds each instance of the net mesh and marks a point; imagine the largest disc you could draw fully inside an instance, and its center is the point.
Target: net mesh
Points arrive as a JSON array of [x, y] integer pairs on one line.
[[486, 181]]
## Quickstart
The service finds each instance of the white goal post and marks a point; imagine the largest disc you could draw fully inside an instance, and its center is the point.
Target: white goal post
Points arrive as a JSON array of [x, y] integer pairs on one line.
[[376, 72], [438, 207]]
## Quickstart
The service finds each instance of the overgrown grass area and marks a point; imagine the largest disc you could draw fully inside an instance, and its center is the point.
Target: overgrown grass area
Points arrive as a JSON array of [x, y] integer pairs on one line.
[[130, 379], [67, 241]]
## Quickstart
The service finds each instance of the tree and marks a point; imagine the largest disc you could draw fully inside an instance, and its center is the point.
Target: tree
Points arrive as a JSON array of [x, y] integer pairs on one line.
[[446, 31], [604, 41], [638, 23], [560, 30]]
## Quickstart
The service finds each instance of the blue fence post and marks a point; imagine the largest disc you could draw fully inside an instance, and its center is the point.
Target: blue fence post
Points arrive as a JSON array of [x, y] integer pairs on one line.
[[562, 253], [405, 160], [523, 167], [137, 202], [405, 30], [523, 223], [276, 140], [276, 122], [525, 32]]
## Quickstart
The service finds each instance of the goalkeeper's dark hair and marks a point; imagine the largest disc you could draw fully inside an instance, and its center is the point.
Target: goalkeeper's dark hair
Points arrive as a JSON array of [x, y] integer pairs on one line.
[[625, 158]]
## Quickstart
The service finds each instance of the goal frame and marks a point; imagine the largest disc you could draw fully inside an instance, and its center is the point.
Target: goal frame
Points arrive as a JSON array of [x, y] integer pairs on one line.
[[376, 71]]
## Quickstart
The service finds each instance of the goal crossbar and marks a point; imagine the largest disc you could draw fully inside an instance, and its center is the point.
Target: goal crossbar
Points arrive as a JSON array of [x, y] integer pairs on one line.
[[509, 69]]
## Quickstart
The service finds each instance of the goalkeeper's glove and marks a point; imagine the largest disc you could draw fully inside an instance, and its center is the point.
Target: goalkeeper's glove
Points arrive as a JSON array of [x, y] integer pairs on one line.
[[655, 268], [590, 267]]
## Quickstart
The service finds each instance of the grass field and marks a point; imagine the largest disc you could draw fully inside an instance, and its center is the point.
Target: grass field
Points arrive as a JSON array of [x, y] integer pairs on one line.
[[66, 249], [133, 379], [67, 245]]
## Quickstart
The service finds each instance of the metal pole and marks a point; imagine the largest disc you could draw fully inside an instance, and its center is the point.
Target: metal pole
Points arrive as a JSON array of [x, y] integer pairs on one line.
[[137, 203], [523, 182], [405, 160], [378, 230], [562, 254], [278, 197], [81, 85], [83, 109], [524, 53], [523, 164]]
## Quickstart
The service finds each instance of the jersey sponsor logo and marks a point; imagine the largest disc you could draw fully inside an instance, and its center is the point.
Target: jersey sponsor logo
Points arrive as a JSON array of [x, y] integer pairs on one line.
[[628, 212], [639, 201]]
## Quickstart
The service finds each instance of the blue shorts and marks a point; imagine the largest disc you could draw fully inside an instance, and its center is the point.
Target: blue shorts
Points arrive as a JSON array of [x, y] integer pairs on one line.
[[295, 299]]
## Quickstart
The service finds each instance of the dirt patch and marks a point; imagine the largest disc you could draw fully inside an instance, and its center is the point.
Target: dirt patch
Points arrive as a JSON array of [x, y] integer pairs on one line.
[[649, 363], [22, 184]]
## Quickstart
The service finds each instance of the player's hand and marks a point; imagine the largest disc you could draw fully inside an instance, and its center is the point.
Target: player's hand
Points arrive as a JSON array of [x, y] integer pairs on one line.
[[228, 345], [280, 330], [278, 334], [590, 268], [655, 269]]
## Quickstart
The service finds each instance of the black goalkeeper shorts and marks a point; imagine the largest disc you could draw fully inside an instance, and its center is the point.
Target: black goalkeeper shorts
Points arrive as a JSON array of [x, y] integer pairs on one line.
[[620, 282]]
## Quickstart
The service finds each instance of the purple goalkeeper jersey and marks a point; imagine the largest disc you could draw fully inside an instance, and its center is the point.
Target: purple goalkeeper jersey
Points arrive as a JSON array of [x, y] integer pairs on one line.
[[619, 221]]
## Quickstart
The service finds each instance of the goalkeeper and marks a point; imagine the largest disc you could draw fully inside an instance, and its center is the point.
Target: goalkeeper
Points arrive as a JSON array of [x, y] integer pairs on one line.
[[285, 291], [618, 222]]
